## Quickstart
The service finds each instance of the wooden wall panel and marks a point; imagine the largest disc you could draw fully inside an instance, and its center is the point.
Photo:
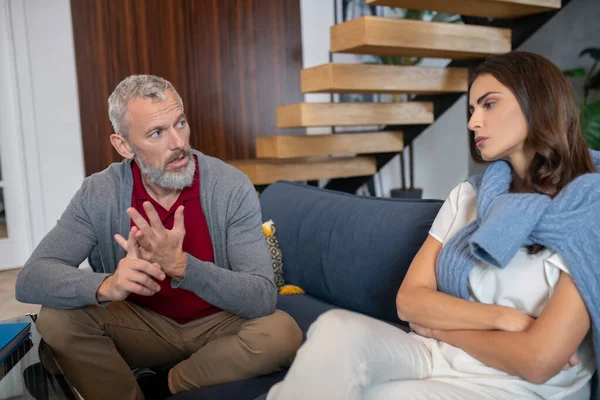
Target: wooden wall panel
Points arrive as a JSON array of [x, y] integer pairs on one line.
[[232, 61]]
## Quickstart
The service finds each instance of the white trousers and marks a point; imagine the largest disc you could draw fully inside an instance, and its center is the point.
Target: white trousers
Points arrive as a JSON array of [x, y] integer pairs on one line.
[[349, 356]]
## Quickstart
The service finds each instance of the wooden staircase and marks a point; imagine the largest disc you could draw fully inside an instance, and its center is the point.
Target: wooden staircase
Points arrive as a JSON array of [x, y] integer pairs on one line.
[[353, 114], [407, 38], [350, 155], [379, 78], [477, 8]]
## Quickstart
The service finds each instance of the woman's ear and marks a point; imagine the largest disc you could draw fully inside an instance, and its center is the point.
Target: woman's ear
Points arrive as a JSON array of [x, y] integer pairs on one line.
[[122, 145]]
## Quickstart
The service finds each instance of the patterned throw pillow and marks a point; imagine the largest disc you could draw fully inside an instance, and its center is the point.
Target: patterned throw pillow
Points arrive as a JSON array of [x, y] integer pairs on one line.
[[277, 260]]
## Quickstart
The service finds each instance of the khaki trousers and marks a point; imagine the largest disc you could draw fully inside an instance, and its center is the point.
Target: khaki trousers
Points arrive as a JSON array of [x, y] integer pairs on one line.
[[97, 347]]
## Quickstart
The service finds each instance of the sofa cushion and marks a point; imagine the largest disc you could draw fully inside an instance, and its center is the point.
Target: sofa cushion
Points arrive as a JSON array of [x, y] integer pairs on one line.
[[347, 250], [304, 308]]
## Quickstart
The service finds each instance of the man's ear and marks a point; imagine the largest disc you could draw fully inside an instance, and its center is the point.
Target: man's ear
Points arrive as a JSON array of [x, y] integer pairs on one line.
[[121, 145]]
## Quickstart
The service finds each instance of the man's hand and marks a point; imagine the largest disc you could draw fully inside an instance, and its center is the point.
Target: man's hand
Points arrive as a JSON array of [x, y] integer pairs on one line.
[[133, 275], [158, 244]]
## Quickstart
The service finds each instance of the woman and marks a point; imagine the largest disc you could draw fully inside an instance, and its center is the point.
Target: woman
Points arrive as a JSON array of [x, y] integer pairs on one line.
[[494, 309]]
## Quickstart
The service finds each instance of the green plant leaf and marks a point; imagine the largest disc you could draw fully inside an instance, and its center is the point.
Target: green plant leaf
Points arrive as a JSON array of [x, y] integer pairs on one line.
[[594, 82], [591, 124], [414, 14], [576, 72], [593, 52], [445, 17], [387, 60]]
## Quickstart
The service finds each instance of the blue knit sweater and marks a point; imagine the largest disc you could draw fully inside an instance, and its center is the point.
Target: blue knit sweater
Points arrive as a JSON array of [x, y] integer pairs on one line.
[[569, 224]]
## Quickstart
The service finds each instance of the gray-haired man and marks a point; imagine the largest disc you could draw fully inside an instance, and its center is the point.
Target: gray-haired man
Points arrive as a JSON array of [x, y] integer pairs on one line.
[[182, 271]]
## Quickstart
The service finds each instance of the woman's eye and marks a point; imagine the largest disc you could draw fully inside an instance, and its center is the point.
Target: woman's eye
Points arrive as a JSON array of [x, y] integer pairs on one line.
[[489, 105]]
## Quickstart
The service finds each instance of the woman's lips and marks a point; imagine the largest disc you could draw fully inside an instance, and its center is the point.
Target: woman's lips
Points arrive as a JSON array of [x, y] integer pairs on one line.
[[479, 141]]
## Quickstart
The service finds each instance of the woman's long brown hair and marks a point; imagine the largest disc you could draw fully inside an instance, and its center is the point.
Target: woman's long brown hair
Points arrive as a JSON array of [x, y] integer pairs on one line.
[[553, 119]]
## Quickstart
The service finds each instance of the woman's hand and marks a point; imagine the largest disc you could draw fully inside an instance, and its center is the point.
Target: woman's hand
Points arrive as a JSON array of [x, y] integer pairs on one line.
[[422, 331], [513, 320]]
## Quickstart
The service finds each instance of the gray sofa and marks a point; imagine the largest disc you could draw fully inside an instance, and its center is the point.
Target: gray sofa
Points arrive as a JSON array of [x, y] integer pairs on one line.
[[345, 251]]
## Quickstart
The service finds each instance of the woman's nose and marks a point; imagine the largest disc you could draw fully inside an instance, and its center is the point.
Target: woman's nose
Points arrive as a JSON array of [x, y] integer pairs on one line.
[[474, 121]]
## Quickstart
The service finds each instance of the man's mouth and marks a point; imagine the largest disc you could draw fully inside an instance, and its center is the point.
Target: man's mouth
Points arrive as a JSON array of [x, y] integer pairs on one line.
[[180, 161]]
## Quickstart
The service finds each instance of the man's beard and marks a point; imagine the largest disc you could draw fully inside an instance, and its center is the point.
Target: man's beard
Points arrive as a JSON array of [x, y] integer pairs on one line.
[[174, 180]]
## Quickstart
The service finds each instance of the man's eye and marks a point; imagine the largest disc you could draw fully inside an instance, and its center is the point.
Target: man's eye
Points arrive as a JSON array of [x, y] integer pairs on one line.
[[155, 134], [181, 123]]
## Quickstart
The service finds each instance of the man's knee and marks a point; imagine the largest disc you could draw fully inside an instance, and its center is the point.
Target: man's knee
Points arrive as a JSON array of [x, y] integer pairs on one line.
[[59, 327], [277, 335]]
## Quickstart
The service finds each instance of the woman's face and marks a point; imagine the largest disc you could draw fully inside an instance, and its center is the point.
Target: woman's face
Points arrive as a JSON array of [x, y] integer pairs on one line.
[[497, 120]]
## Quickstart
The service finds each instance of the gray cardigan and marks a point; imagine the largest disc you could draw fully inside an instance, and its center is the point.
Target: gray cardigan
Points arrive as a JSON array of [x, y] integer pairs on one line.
[[240, 280]]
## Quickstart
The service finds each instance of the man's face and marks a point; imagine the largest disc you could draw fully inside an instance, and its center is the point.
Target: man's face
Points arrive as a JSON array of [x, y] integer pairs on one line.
[[159, 135]]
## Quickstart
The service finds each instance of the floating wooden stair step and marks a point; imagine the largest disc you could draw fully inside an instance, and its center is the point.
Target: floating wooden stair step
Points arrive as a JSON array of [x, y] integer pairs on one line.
[[353, 114], [264, 172], [477, 8], [322, 145], [401, 37], [378, 78]]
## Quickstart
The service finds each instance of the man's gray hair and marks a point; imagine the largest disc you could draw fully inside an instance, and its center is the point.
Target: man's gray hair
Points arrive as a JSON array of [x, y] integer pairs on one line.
[[128, 89]]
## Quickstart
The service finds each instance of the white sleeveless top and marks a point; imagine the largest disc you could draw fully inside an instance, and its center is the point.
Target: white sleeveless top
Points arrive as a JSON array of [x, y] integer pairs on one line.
[[525, 284]]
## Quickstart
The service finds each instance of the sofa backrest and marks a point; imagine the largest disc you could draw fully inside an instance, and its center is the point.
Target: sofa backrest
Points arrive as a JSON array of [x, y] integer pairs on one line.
[[351, 251]]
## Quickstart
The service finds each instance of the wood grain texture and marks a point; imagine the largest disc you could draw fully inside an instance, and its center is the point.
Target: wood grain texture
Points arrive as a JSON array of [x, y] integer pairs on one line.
[[232, 61], [264, 172], [353, 114], [321, 145], [378, 78], [476, 8], [400, 37]]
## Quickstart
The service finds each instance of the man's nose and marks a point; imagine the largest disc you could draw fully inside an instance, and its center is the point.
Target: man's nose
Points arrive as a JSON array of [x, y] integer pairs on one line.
[[175, 140]]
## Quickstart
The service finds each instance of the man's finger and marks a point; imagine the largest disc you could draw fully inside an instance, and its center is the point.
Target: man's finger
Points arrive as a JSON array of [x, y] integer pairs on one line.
[[153, 217], [178, 224], [143, 240], [136, 288], [121, 241], [132, 245], [149, 269], [144, 280], [139, 221]]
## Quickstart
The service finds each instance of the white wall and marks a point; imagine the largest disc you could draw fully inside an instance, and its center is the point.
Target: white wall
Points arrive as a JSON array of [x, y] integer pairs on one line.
[[441, 156], [49, 108], [316, 17], [14, 249]]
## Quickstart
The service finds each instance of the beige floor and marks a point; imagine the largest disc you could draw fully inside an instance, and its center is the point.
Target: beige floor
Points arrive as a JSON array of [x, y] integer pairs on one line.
[[9, 306]]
